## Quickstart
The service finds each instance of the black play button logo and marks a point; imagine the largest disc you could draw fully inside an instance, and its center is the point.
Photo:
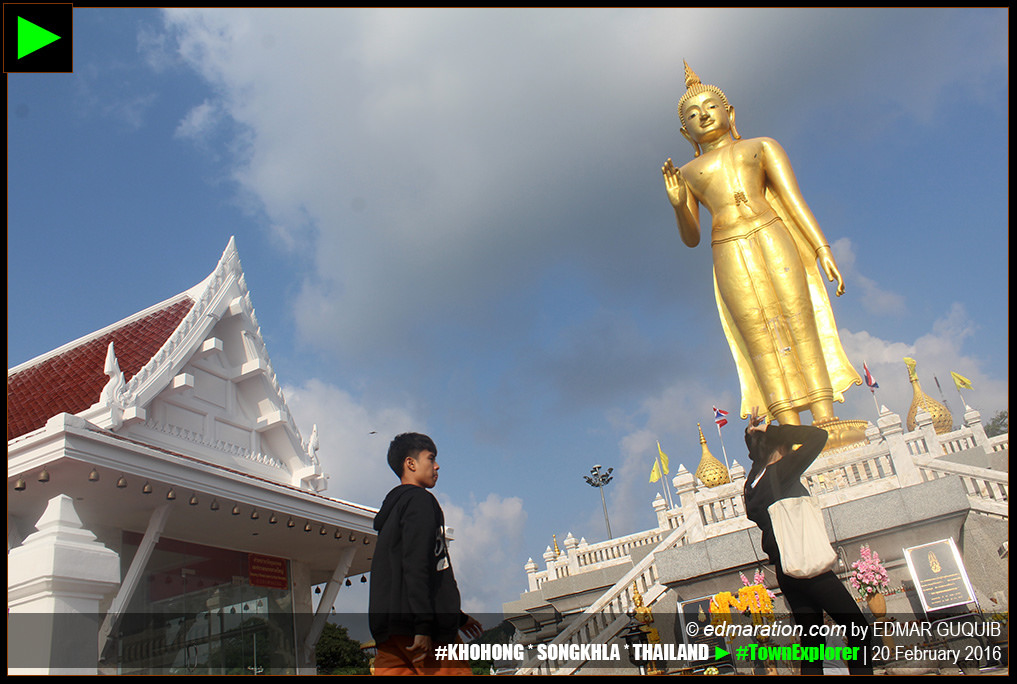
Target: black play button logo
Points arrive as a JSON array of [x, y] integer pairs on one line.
[[37, 38]]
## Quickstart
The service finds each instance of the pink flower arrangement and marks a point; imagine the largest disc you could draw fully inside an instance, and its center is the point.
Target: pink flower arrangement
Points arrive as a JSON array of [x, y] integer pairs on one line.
[[868, 575]]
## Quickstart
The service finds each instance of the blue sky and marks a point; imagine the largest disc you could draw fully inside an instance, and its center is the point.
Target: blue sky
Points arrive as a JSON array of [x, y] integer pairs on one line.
[[453, 221]]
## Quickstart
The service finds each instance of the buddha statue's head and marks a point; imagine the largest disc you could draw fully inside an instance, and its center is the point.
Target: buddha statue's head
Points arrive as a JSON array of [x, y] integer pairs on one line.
[[698, 99]]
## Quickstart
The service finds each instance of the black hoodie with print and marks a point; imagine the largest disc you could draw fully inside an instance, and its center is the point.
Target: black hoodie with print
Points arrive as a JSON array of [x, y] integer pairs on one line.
[[413, 589]]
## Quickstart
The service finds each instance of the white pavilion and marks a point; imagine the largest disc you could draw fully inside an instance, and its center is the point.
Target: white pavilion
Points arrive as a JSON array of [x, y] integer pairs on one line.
[[164, 513]]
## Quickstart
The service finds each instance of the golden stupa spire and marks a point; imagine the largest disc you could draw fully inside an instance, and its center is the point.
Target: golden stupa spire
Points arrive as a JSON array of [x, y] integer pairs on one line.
[[557, 551], [711, 472], [942, 419]]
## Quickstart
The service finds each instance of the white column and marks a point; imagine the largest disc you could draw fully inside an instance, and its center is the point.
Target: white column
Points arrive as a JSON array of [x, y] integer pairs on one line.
[[892, 430], [973, 420], [531, 574], [56, 582], [660, 508], [303, 609], [571, 544], [685, 485], [325, 605]]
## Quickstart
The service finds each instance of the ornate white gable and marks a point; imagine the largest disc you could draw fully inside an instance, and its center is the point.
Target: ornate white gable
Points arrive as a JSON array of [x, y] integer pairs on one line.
[[210, 391]]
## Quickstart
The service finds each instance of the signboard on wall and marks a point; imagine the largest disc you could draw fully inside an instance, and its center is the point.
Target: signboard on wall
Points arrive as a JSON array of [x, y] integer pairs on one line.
[[939, 575], [693, 617], [268, 572]]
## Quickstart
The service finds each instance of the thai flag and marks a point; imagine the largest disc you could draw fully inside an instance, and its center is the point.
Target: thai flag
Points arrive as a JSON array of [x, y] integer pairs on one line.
[[869, 380], [718, 417]]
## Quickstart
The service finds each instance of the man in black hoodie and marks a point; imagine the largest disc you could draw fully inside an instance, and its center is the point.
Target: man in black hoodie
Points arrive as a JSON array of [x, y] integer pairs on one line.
[[414, 600]]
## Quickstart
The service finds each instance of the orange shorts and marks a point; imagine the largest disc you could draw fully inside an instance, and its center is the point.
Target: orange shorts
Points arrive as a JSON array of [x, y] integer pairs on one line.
[[394, 659]]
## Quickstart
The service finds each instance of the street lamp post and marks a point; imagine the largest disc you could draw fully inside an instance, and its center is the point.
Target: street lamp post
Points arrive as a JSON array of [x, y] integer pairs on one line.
[[599, 480]]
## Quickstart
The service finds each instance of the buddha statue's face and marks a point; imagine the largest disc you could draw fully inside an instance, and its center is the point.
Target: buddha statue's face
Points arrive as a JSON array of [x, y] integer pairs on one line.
[[706, 117]]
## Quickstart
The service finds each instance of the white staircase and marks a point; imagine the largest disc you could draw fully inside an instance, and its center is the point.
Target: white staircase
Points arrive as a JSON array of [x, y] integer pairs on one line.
[[608, 615]]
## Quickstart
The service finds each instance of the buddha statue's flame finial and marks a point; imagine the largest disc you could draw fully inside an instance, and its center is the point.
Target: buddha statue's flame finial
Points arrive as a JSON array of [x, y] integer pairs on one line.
[[691, 78]]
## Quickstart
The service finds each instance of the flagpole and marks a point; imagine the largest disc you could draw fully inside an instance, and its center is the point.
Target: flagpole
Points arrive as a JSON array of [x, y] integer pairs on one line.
[[726, 464], [720, 421], [941, 395], [663, 483], [871, 382], [961, 395], [960, 382], [663, 478]]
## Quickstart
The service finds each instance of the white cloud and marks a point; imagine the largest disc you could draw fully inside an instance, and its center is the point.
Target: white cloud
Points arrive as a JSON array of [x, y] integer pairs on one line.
[[630, 501], [671, 417], [353, 438], [937, 352], [480, 164], [132, 110], [199, 122], [458, 185], [120, 99], [354, 442], [488, 542], [154, 47], [410, 152], [873, 298]]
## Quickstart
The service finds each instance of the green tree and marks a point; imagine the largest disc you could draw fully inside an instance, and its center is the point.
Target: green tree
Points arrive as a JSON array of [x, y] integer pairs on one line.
[[999, 425], [337, 653]]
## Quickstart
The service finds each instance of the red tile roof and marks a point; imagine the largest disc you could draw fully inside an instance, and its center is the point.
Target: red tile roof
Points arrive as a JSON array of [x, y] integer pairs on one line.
[[72, 380]]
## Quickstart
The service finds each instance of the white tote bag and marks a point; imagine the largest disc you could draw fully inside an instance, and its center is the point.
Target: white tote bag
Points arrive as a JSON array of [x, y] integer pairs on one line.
[[805, 549]]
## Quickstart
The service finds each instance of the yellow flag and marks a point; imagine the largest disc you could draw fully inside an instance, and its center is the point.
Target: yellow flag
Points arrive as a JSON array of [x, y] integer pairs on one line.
[[655, 473], [663, 459], [961, 381]]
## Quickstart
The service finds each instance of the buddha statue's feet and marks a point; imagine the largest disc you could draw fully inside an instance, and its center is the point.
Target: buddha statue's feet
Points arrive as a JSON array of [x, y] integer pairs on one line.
[[843, 433]]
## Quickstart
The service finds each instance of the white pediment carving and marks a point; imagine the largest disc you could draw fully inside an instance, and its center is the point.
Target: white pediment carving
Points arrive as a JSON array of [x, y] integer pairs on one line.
[[210, 392]]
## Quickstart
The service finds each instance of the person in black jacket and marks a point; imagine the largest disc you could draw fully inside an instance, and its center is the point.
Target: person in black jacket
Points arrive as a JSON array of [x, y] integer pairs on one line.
[[414, 598], [777, 468]]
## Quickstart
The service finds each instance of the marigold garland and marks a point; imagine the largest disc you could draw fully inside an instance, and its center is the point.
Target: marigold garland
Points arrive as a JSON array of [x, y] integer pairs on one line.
[[754, 598]]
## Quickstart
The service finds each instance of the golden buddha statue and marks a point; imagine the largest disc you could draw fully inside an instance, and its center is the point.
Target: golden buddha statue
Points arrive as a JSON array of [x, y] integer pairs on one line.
[[766, 243]]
